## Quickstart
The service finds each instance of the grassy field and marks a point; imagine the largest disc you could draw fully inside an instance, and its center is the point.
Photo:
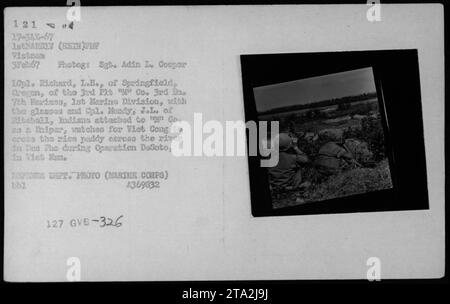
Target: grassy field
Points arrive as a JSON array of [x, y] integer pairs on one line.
[[313, 127], [350, 182]]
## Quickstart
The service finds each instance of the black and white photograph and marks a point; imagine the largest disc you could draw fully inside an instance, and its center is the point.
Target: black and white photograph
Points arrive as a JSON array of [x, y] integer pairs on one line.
[[350, 135], [331, 137]]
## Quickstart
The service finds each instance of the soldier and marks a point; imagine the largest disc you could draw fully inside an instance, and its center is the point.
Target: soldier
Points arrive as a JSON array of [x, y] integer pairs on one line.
[[333, 157], [287, 173], [360, 151]]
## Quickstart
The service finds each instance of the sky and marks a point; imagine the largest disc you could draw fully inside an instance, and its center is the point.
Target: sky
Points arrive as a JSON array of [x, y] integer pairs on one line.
[[304, 91]]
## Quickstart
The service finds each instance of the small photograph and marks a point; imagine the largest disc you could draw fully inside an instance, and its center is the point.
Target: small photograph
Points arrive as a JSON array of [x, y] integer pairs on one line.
[[332, 137], [350, 136]]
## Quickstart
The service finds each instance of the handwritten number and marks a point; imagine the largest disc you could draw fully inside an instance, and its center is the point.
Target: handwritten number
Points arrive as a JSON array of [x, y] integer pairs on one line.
[[117, 223], [107, 221], [102, 221]]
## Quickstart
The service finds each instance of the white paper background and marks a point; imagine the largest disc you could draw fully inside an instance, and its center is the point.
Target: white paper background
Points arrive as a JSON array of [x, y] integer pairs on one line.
[[199, 225]]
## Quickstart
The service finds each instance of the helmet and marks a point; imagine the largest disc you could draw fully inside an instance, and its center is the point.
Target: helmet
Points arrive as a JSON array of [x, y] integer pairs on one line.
[[284, 141]]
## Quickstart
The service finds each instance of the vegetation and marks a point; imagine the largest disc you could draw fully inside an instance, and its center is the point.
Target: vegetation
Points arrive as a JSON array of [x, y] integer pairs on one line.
[[350, 182], [322, 103], [371, 132], [358, 120]]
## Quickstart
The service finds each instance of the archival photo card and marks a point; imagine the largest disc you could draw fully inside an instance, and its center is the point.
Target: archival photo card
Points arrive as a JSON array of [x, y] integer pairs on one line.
[[130, 136]]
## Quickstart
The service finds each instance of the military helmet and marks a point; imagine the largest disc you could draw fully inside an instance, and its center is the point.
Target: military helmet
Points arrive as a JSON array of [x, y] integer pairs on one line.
[[284, 141]]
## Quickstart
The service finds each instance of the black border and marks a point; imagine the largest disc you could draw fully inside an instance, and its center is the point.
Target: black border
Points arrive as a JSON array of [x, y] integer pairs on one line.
[[399, 72], [298, 290]]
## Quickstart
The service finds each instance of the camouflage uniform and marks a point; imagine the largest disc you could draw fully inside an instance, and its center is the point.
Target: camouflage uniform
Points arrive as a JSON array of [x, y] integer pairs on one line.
[[287, 173], [329, 159], [332, 157], [359, 150]]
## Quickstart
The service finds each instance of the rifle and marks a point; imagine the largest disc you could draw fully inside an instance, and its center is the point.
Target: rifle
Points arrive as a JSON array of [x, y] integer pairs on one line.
[[354, 162]]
